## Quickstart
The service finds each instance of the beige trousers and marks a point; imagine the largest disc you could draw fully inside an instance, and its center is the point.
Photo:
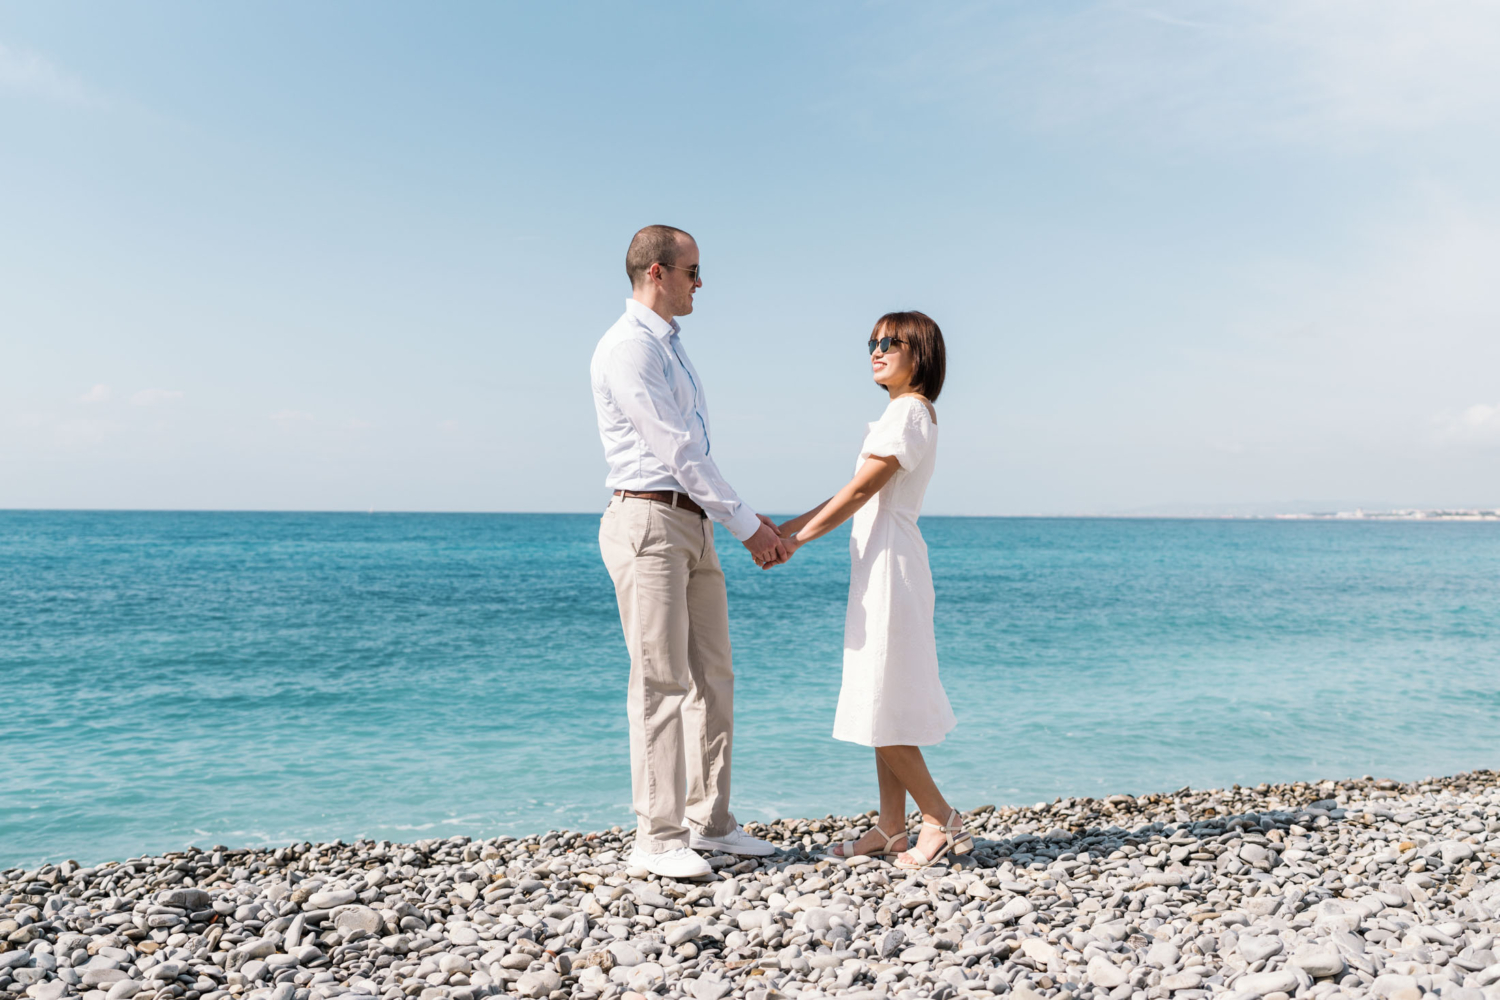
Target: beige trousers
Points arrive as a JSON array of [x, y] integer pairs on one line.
[[681, 694]]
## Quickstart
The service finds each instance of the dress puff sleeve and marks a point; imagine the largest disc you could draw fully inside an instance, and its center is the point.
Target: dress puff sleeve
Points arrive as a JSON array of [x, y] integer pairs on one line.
[[903, 432]]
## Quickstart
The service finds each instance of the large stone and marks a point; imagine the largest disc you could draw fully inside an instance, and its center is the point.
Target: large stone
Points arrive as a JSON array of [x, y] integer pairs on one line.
[[1454, 851], [327, 899], [255, 948], [1318, 961], [625, 954], [1255, 948], [124, 989], [709, 989], [1111, 930], [449, 963], [1162, 954], [1182, 981], [751, 919], [685, 931], [52, 989], [361, 918], [645, 976], [102, 977], [187, 899], [1261, 983], [725, 891], [462, 935], [645, 895], [1106, 974], [165, 971], [1255, 855], [1016, 909], [594, 979], [919, 953], [890, 942], [1040, 951], [602, 959], [1389, 985]]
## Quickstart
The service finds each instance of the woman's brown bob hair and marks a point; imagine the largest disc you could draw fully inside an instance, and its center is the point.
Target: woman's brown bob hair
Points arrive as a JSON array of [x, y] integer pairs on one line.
[[925, 341]]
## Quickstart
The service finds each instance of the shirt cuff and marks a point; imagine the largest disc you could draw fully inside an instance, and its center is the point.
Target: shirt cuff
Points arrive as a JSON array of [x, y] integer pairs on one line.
[[743, 524]]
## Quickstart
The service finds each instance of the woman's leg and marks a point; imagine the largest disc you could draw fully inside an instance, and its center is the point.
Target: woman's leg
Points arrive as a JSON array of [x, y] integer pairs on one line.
[[892, 802], [892, 819], [907, 766]]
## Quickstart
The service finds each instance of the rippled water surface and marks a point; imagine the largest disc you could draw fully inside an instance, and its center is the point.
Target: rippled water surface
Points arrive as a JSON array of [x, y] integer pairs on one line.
[[175, 678]]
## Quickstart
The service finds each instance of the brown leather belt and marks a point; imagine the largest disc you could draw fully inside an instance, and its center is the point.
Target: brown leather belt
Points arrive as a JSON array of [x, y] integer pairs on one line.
[[680, 500]]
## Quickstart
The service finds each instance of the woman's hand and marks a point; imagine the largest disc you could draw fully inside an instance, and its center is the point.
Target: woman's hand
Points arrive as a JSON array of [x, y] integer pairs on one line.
[[790, 543]]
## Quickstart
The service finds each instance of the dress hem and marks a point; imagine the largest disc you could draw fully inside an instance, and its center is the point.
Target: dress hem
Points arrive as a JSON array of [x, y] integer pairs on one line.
[[897, 743]]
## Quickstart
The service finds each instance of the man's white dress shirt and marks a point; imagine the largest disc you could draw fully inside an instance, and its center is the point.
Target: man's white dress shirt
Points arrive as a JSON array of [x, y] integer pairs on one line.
[[653, 418]]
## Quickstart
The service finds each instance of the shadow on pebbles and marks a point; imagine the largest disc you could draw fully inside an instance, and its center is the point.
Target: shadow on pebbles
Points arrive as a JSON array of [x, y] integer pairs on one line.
[[1338, 889]]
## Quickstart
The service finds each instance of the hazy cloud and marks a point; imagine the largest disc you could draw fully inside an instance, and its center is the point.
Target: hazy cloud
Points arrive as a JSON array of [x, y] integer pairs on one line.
[[1309, 71], [1477, 424], [31, 73], [98, 394], [150, 397], [287, 419], [84, 433]]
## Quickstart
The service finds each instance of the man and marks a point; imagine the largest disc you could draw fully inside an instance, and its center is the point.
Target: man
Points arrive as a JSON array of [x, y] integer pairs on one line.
[[657, 539]]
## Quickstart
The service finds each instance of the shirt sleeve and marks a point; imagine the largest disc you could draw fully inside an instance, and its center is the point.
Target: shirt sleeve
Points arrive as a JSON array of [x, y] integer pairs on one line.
[[904, 433], [637, 381]]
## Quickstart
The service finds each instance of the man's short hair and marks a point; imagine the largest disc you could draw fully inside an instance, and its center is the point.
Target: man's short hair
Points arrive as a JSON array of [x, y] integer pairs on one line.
[[925, 341], [652, 245]]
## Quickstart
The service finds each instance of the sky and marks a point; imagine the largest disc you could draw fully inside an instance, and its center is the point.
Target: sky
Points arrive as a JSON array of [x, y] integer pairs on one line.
[[1187, 256]]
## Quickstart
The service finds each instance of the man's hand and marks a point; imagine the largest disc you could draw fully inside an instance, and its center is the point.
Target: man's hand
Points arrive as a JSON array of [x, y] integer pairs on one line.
[[766, 546]]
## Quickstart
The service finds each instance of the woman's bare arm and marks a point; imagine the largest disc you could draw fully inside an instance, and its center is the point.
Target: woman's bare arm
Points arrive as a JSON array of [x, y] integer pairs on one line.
[[786, 528], [872, 475]]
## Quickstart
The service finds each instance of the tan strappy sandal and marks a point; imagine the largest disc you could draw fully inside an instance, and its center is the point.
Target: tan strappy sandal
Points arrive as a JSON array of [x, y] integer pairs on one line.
[[955, 839], [845, 850]]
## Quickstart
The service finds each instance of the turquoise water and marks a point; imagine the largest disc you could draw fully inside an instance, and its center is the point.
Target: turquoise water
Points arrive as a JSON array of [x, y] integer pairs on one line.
[[175, 678]]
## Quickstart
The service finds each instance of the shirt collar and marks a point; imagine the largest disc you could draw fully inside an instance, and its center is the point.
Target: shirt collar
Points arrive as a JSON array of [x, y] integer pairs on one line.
[[648, 318]]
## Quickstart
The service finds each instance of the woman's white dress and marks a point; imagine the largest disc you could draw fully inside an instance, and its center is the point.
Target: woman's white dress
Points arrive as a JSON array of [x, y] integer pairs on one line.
[[891, 693]]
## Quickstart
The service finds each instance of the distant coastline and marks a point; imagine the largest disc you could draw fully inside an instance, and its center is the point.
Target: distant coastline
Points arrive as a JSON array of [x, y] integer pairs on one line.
[[1359, 514]]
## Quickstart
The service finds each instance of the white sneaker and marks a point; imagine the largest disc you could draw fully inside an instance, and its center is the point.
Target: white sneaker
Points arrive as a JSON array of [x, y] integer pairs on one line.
[[680, 863], [736, 841]]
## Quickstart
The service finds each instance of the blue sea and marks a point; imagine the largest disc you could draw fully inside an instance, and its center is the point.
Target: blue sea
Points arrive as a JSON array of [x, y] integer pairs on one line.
[[245, 679]]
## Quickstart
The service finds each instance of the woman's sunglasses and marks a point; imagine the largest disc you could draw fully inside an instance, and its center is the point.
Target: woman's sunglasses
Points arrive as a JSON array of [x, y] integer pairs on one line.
[[884, 344]]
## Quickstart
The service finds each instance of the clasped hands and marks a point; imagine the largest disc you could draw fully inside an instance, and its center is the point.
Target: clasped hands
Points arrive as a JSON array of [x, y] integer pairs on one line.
[[768, 546]]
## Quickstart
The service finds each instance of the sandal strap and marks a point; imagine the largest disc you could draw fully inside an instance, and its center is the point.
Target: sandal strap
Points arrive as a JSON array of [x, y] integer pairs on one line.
[[949, 827]]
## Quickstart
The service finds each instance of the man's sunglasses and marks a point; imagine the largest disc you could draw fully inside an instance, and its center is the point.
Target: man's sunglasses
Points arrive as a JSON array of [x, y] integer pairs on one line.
[[884, 344], [693, 272]]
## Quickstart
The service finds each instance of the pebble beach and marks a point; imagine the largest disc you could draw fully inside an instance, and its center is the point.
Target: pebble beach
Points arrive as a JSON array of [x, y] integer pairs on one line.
[[1354, 888]]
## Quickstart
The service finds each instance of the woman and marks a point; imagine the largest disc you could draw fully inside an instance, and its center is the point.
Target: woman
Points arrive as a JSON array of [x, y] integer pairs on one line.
[[891, 698]]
